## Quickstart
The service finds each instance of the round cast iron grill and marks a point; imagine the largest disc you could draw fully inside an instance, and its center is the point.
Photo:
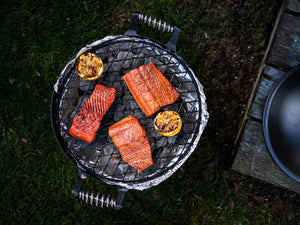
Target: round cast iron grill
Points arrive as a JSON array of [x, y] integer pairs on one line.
[[101, 158]]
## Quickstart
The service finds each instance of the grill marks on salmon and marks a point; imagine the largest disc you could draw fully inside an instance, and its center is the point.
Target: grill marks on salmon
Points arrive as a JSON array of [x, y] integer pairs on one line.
[[131, 140], [86, 123], [150, 88]]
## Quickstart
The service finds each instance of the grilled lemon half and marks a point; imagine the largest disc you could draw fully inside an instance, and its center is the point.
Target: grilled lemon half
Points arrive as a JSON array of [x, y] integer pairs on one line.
[[168, 123], [89, 66]]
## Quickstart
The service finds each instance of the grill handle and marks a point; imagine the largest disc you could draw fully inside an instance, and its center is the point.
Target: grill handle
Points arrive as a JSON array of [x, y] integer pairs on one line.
[[121, 194], [156, 24], [89, 197], [80, 180]]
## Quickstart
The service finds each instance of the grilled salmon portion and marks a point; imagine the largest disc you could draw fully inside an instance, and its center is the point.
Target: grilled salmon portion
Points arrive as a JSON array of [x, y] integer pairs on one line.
[[86, 123], [150, 88], [130, 138]]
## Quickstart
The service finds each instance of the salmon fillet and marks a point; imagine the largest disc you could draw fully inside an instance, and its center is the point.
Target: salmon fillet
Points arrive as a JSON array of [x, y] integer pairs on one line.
[[131, 140], [150, 88], [86, 123]]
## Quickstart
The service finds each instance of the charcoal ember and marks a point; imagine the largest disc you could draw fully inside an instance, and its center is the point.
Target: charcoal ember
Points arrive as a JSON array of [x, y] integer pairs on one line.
[[114, 167], [118, 84], [126, 95], [150, 59], [77, 146], [119, 110], [79, 103], [186, 86], [126, 59], [191, 117], [165, 60], [119, 115], [166, 158], [92, 158], [188, 97], [110, 157], [147, 51], [162, 68], [110, 150], [102, 163], [99, 169], [139, 60], [120, 107], [161, 142], [188, 128], [69, 99], [86, 85], [115, 67], [172, 140], [82, 155], [133, 105], [130, 173], [139, 114]]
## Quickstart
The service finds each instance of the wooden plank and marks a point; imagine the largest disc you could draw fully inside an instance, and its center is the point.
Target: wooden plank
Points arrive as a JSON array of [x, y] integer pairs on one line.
[[270, 76], [254, 159], [285, 52], [293, 6]]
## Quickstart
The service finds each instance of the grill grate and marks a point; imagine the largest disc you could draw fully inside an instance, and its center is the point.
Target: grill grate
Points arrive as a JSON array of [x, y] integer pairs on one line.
[[102, 158]]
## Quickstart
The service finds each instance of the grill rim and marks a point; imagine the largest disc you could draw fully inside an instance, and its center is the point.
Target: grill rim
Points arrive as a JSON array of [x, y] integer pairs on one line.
[[150, 181]]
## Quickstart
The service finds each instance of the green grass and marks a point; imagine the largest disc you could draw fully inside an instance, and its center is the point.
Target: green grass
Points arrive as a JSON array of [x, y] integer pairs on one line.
[[221, 41]]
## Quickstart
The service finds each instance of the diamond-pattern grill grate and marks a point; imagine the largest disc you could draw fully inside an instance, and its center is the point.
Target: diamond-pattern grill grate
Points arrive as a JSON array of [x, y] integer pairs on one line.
[[102, 158]]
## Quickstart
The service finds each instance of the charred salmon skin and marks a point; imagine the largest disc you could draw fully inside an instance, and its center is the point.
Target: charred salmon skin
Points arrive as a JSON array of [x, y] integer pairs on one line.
[[86, 123], [150, 88], [131, 140]]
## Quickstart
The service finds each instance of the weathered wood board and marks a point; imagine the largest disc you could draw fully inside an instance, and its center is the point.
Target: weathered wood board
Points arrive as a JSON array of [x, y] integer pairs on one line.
[[283, 53], [253, 158], [268, 79]]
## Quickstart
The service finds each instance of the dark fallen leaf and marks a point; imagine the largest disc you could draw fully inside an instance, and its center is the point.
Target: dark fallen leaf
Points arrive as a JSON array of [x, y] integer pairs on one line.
[[236, 187], [259, 199], [24, 140], [231, 203]]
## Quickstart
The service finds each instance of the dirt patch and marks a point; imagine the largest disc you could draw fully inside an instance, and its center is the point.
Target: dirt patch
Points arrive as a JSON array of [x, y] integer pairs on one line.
[[232, 56]]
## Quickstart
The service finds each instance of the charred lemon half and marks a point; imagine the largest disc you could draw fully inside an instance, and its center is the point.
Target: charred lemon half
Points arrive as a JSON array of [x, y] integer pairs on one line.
[[168, 123], [89, 66]]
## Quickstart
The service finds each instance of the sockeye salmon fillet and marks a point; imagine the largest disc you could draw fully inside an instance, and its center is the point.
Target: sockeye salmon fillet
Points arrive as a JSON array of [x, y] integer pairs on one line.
[[150, 88], [86, 123], [130, 138]]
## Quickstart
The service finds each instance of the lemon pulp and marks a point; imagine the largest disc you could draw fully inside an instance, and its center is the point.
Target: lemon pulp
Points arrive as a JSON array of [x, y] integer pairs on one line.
[[89, 66], [168, 123]]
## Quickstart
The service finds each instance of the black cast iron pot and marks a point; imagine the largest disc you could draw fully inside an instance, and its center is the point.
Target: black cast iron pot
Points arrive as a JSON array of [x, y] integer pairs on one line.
[[281, 123]]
